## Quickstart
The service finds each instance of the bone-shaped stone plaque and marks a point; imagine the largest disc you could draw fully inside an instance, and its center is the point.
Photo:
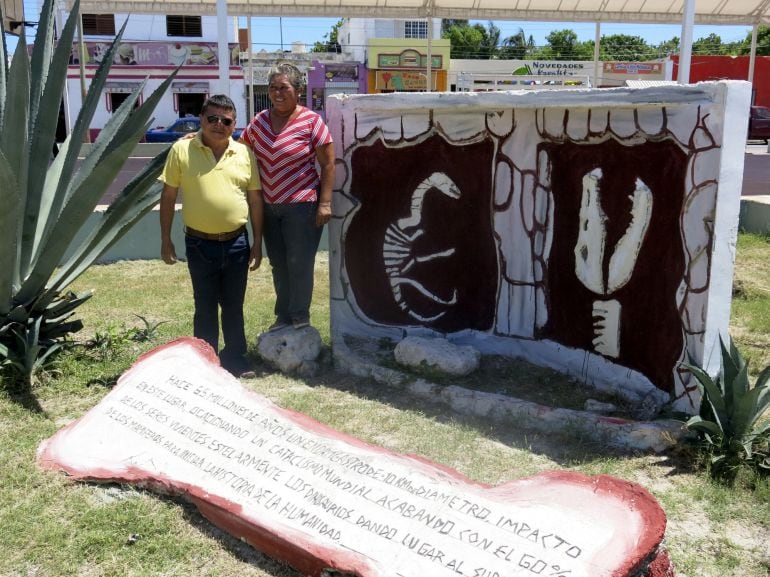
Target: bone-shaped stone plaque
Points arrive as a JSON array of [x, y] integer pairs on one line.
[[319, 499]]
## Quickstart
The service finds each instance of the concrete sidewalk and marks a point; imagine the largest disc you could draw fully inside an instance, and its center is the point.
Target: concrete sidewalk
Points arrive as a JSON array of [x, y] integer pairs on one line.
[[755, 193]]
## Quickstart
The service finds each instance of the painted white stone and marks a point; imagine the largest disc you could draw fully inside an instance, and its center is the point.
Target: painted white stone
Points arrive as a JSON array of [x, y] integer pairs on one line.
[[553, 122], [503, 183], [290, 349], [623, 122], [708, 220], [594, 406], [459, 126], [681, 122], [598, 121], [516, 306], [368, 124], [650, 120], [437, 354], [577, 124], [415, 125], [316, 498], [500, 122]]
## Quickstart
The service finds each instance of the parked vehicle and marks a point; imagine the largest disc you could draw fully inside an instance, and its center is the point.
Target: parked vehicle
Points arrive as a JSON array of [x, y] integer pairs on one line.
[[177, 129], [759, 123]]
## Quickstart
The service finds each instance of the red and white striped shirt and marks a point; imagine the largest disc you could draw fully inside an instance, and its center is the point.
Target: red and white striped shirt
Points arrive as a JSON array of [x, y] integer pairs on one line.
[[287, 160]]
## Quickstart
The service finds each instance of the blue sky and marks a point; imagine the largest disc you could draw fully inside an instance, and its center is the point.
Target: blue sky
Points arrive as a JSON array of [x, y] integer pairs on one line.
[[267, 33]]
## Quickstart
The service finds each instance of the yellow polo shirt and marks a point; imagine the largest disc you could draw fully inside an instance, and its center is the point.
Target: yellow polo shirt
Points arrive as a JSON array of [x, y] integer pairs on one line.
[[214, 193]]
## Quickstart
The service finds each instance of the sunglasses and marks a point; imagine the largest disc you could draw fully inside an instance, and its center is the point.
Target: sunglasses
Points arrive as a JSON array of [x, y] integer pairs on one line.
[[213, 119]]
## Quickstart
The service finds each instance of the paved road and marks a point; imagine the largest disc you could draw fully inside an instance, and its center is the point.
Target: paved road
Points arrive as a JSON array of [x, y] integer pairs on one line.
[[756, 172]]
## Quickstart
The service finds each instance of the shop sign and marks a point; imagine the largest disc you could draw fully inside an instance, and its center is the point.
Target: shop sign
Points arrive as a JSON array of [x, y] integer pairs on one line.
[[402, 80], [409, 59], [341, 72], [633, 67], [156, 53]]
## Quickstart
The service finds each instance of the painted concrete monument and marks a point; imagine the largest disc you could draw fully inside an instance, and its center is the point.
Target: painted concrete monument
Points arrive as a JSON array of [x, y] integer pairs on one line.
[[318, 499], [592, 231]]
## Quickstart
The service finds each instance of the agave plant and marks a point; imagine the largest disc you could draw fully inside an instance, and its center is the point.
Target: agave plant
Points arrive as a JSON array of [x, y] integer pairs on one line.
[[730, 420], [46, 201]]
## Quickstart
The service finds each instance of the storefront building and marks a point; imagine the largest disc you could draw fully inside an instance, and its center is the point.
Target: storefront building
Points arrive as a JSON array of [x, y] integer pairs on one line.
[[400, 65], [327, 78]]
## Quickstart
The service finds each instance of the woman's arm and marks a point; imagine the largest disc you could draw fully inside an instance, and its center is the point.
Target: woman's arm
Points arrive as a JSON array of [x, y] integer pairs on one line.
[[325, 156]]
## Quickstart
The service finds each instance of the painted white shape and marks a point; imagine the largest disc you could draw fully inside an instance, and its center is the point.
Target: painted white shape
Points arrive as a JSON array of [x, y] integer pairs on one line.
[[503, 183], [516, 310], [623, 122], [623, 259], [577, 124], [606, 319], [589, 249], [459, 126], [414, 125], [398, 254], [368, 124], [598, 121], [651, 119], [500, 123], [682, 121], [553, 122]]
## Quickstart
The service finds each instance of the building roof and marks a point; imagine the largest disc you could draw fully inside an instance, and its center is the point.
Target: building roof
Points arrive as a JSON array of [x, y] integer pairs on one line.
[[735, 12]]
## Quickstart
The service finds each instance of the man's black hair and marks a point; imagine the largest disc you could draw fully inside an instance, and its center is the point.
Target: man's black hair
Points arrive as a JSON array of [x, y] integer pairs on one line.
[[222, 101]]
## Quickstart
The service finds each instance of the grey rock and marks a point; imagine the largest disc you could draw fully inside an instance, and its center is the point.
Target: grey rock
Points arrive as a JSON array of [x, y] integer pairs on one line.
[[594, 406], [437, 354], [291, 350]]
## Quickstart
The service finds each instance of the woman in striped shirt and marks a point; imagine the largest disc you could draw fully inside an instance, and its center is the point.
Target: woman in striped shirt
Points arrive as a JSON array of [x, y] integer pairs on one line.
[[288, 140]]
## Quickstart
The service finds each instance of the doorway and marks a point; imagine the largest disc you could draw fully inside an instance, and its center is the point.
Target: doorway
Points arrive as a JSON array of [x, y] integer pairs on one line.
[[190, 103]]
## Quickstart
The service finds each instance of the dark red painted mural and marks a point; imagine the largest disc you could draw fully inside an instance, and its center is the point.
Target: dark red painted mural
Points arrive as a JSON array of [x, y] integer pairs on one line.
[[420, 248], [615, 263]]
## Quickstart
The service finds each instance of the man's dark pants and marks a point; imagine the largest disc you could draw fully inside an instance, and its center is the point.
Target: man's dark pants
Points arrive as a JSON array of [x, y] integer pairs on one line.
[[291, 239], [219, 271]]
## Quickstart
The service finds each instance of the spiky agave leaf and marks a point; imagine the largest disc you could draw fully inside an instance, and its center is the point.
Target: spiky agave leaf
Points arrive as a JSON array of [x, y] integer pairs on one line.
[[711, 392], [14, 149], [139, 196], [102, 164], [51, 70]]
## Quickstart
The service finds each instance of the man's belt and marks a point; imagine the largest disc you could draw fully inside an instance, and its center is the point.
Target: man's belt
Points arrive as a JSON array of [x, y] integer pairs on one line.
[[219, 236]]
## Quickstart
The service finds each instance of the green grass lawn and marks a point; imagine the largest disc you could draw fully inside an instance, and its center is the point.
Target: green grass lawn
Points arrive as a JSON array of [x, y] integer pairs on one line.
[[50, 526]]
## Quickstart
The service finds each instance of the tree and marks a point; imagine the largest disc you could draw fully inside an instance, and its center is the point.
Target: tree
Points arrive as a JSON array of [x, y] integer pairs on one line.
[[763, 42], [465, 41], [514, 47], [710, 45], [489, 45], [624, 47], [562, 45], [447, 23], [667, 48], [331, 43], [47, 201]]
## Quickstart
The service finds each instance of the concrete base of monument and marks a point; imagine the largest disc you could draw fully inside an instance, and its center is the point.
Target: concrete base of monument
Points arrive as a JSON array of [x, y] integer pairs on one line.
[[644, 435], [330, 504]]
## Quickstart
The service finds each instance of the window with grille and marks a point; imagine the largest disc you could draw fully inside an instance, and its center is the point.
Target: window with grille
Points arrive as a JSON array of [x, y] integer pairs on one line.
[[183, 26], [415, 29], [99, 24]]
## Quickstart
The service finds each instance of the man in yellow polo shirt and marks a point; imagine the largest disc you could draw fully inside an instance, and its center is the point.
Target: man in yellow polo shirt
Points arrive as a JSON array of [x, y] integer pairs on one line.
[[220, 182]]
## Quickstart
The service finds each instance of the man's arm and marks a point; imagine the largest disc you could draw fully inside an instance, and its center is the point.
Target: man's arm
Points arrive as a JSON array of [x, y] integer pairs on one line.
[[167, 205], [254, 198], [325, 156]]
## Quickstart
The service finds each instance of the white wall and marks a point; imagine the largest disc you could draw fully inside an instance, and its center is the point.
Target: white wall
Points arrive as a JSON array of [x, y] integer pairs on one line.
[[355, 32], [164, 112]]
